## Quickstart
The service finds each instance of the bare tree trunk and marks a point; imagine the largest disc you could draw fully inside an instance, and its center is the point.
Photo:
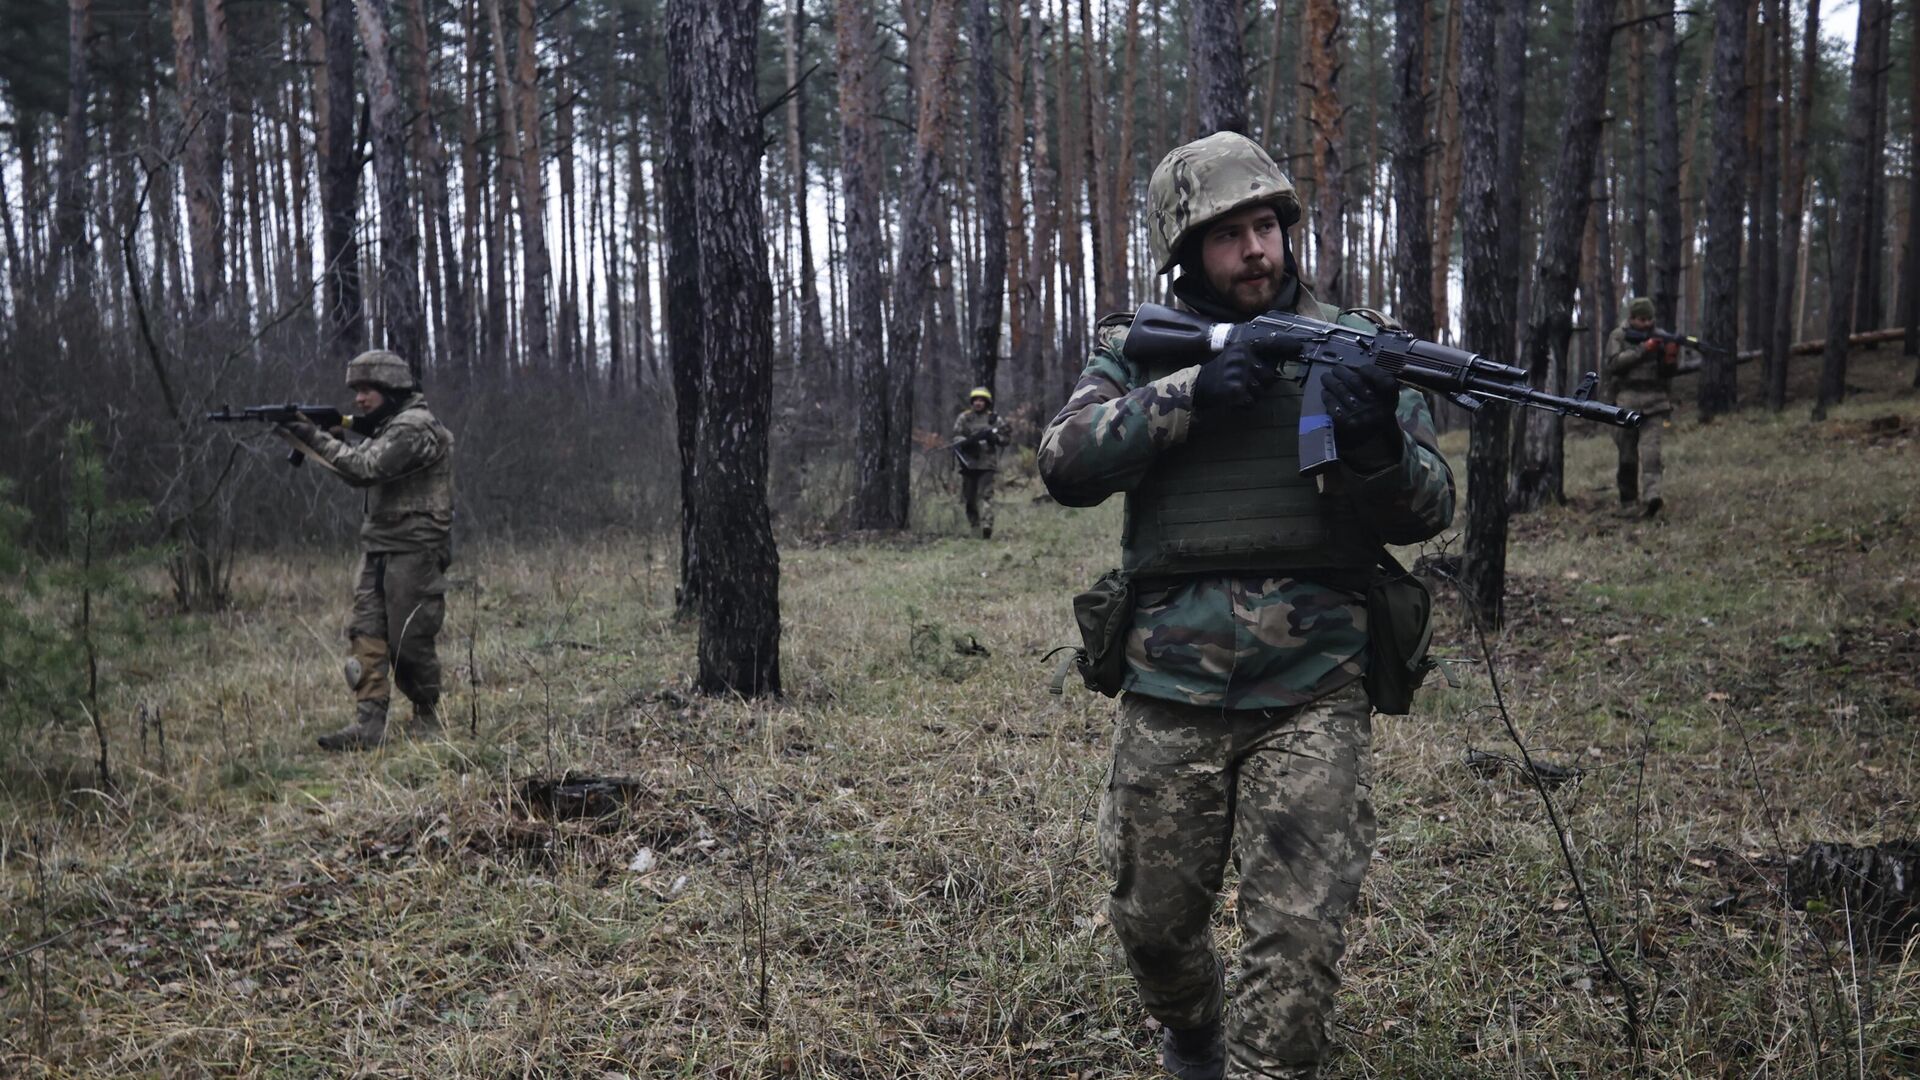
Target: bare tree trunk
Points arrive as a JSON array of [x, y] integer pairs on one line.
[[1218, 66], [1021, 37], [70, 219], [1666, 141], [399, 242], [983, 308], [1326, 56], [1485, 569], [873, 488], [1640, 146], [913, 275], [813, 339], [1910, 279], [686, 329], [1766, 210], [1794, 184], [1550, 322], [1451, 164], [521, 116], [1093, 147], [1719, 321], [200, 68], [1850, 225], [739, 604], [339, 184], [432, 156], [1516, 247], [1046, 184], [1413, 240], [1869, 303], [1120, 185]]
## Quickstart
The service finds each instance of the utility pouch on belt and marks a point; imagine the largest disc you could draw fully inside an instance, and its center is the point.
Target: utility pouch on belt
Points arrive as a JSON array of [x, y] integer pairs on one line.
[[1104, 613], [1399, 629]]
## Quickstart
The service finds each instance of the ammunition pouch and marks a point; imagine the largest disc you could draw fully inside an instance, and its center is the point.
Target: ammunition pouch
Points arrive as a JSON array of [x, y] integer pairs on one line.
[[1399, 631], [1104, 613]]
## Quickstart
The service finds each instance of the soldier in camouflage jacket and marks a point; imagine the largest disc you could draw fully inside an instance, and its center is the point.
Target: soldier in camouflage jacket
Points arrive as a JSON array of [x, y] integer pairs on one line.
[[406, 468], [1244, 731], [1641, 377]]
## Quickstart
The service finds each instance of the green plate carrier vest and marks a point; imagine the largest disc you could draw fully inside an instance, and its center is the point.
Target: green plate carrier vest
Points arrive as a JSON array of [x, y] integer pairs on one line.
[[1231, 500]]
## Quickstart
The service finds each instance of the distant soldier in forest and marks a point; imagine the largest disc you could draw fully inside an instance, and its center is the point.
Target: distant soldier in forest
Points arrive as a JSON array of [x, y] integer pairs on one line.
[[406, 465], [1641, 374], [1244, 707], [978, 436]]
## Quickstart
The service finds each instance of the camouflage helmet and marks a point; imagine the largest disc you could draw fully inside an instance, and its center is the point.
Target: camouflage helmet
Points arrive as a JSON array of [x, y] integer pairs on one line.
[[381, 368], [1639, 308], [1206, 178]]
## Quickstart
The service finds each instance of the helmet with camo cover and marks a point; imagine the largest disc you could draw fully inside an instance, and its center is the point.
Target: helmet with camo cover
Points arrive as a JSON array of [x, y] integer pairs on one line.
[[1206, 178], [380, 368]]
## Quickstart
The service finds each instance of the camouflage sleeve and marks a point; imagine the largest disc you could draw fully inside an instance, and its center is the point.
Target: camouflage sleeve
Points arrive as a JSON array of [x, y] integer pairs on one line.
[[1113, 426], [1412, 499], [1622, 357], [395, 452], [960, 424]]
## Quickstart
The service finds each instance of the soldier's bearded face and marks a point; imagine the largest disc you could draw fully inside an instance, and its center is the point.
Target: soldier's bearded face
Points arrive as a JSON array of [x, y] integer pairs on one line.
[[1242, 254], [1641, 322]]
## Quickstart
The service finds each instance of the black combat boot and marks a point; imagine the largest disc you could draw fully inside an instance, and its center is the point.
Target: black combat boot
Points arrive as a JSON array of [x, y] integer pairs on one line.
[[425, 721], [1195, 1053], [368, 730], [1628, 478]]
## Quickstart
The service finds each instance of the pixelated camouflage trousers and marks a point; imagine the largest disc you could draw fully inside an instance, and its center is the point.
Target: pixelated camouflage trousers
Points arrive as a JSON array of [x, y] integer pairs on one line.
[[1288, 795], [976, 493], [399, 603]]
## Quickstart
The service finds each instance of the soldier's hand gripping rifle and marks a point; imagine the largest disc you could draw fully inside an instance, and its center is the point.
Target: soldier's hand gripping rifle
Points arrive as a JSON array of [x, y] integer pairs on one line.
[[322, 416], [1668, 337], [1162, 337], [960, 445]]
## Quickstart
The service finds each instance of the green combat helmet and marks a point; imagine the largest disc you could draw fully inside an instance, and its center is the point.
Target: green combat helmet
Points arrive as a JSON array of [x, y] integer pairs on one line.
[[1206, 178], [381, 368]]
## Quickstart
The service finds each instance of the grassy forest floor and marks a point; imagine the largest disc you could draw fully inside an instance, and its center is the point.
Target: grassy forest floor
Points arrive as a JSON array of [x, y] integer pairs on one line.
[[891, 872]]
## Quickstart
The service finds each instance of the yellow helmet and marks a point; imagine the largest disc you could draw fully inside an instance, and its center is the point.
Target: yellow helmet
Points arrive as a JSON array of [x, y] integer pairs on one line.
[[981, 392]]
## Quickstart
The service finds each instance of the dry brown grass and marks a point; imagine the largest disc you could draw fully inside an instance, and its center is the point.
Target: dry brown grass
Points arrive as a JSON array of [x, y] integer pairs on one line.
[[903, 846]]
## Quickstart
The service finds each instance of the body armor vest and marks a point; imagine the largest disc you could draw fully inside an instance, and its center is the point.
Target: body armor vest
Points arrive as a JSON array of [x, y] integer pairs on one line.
[[413, 512], [1231, 500]]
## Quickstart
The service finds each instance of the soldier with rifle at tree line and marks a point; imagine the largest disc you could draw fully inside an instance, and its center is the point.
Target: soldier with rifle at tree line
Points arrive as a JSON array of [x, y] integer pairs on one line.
[[1641, 363], [978, 436], [1269, 447], [405, 463]]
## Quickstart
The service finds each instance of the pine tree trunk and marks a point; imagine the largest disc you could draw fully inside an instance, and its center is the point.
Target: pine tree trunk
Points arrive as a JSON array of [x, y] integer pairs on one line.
[[1119, 214], [1766, 208], [1217, 65], [1447, 183], [1550, 320], [1910, 279], [1094, 119], [1510, 37], [984, 306], [399, 241], [339, 185], [684, 324], [1413, 240], [913, 276], [1326, 55], [1850, 225], [813, 340], [1719, 320], [203, 106], [1020, 45], [1794, 189], [521, 116], [431, 153], [1485, 571], [1667, 149], [1869, 304], [739, 603], [1640, 147], [872, 506], [70, 219]]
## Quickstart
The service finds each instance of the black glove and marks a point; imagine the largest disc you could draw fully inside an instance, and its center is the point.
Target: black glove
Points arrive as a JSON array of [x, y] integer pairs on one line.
[[301, 430], [1362, 403], [1233, 379]]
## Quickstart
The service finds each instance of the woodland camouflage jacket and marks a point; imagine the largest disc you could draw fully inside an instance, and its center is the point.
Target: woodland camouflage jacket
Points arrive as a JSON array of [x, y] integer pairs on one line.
[[407, 467], [1236, 641], [1636, 376]]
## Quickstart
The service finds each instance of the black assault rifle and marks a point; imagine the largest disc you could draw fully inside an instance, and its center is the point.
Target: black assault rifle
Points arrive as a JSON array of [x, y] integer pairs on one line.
[[1161, 337], [321, 416]]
